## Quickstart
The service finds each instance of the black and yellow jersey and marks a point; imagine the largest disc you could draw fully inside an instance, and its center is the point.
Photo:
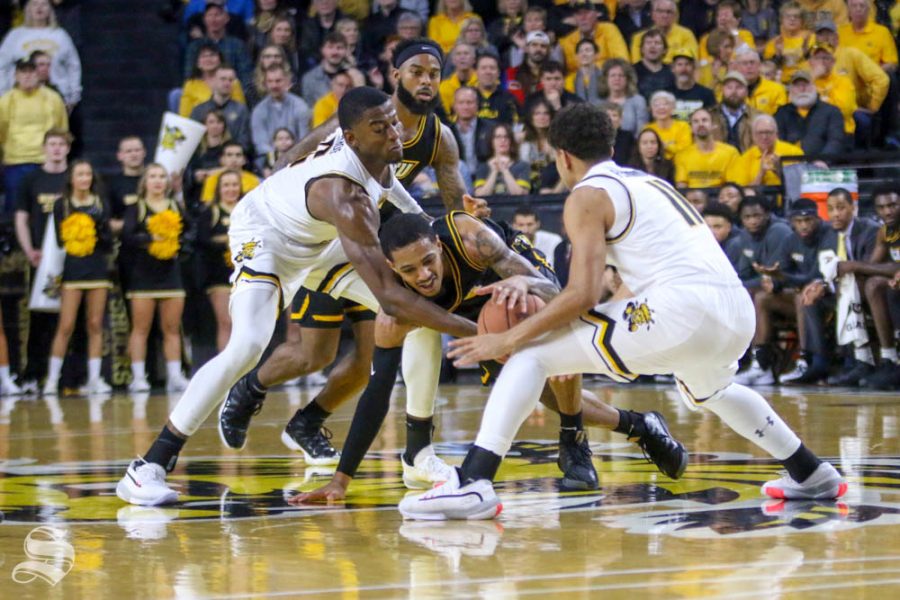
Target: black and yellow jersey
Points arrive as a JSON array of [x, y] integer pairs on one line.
[[463, 275], [892, 239], [421, 150]]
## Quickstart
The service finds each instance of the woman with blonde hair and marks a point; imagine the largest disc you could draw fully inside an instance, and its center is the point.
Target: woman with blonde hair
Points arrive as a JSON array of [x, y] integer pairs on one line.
[[40, 31], [618, 84], [152, 237], [444, 27], [82, 229], [284, 36], [721, 48]]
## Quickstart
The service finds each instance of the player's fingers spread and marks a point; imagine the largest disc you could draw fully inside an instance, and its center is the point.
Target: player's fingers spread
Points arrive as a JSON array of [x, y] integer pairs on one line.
[[487, 289]]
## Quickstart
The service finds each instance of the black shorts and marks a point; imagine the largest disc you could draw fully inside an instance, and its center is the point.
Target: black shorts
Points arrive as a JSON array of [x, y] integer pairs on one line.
[[321, 311], [490, 370]]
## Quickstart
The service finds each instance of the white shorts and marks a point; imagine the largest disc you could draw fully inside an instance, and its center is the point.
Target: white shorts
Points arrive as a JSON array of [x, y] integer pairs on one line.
[[263, 255], [696, 333]]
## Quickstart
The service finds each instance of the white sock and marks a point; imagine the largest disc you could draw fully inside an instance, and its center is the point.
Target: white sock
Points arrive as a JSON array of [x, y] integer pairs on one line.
[[94, 368], [421, 368], [864, 354], [54, 369], [173, 370], [886, 354], [5, 376], [138, 370], [749, 415]]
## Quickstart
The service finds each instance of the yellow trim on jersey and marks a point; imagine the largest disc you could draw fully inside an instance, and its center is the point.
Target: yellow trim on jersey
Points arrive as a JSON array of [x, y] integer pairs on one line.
[[328, 318], [419, 132], [457, 238], [457, 280], [303, 308], [602, 343], [329, 285], [485, 375], [437, 139], [358, 308]]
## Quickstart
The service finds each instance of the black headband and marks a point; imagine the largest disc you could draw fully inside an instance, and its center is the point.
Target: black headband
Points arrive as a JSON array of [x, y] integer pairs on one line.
[[415, 50]]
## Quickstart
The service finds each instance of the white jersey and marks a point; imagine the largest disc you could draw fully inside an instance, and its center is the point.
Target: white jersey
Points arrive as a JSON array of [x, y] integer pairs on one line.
[[658, 237], [282, 197]]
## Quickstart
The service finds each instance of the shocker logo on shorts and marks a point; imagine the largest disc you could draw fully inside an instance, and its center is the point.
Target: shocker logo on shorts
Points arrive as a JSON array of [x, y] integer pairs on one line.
[[248, 250], [638, 314]]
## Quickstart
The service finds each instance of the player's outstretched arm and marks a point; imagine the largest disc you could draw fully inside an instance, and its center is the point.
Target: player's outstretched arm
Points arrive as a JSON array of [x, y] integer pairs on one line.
[[307, 144], [446, 170], [347, 206], [588, 215]]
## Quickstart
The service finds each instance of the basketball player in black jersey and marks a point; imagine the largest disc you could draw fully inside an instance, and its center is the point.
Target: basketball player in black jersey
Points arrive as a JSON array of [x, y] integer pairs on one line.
[[447, 261], [426, 142]]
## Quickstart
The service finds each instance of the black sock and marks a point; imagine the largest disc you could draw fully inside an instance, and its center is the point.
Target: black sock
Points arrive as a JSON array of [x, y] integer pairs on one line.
[[165, 449], [256, 388], [801, 464], [763, 356], [479, 464], [418, 436], [314, 414], [631, 423], [571, 421]]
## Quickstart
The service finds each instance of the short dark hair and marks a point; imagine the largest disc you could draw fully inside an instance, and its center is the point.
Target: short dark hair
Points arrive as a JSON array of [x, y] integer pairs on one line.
[[584, 131], [335, 37], [482, 54], [402, 230], [232, 144], [551, 66], [717, 209], [584, 41], [526, 210], [842, 192], [56, 132], [886, 189], [357, 101], [759, 201]]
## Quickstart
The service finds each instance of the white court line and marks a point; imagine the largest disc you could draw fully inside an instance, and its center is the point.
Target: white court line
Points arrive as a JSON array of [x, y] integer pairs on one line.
[[558, 576]]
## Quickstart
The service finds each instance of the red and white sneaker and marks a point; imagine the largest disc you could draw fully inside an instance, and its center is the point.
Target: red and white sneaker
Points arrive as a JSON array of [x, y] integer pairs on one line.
[[452, 501], [825, 483], [144, 484]]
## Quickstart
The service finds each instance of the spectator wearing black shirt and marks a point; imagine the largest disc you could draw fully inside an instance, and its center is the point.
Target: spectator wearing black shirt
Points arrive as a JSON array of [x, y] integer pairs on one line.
[[720, 220], [122, 186], [493, 101], [653, 75], [766, 234], [38, 193], [623, 148], [552, 88], [689, 95], [814, 125], [379, 25], [649, 155], [631, 17]]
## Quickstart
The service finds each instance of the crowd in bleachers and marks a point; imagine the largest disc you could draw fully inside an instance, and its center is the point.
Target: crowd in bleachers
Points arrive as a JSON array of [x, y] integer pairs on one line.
[[715, 97]]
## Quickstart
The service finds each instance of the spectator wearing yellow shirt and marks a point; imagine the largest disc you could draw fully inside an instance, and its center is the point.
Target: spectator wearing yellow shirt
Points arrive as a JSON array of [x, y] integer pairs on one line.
[[463, 58], [712, 74], [199, 88], [675, 135], [764, 95], [610, 43], [327, 105], [834, 89], [27, 112], [789, 49], [728, 19], [819, 10], [869, 79], [664, 15], [446, 23], [873, 39], [704, 163], [232, 159], [761, 164]]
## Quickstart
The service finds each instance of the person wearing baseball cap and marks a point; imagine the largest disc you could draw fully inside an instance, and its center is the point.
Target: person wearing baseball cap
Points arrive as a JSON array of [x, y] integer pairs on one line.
[[523, 80], [610, 43], [816, 126], [689, 95], [833, 88], [733, 115]]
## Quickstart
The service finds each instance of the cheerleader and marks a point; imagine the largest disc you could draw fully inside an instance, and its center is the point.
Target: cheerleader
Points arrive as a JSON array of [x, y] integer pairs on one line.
[[217, 266], [151, 237], [82, 227]]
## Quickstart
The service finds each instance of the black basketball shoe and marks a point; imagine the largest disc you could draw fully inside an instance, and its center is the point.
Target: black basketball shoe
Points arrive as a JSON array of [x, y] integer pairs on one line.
[[660, 448], [311, 439], [575, 461], [237, 410]]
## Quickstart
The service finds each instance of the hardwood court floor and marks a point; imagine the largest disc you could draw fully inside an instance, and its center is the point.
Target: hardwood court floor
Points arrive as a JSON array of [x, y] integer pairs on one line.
[[232, 535]]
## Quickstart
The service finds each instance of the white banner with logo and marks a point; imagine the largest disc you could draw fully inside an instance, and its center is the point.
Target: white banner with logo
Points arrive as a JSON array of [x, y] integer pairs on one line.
[[178, 139], [45, 288]]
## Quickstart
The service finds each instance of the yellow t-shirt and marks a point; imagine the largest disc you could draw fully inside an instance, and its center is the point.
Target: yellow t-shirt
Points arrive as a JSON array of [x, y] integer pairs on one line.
[[24, 119], [610, 44], [445, 30], [744, 37], [697, 169], [745, 168], [768, 96], [449, 86], [324, 109], [195, 92], [248, 182], [869, 79], [676, 138], [793, 53], [874, 40], [839, 91], [679, 38]]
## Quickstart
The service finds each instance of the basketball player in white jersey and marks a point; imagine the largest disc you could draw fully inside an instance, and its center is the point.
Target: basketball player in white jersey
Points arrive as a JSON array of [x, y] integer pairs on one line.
[[312, 222], [689, 316]]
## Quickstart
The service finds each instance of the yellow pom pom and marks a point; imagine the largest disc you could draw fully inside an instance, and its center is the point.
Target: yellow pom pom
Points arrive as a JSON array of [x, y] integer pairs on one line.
[[165, 227], [79, 234]]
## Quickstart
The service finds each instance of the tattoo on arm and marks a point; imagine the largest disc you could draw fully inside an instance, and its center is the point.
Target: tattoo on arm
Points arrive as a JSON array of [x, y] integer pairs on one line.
[[492, 252], [446, 169]]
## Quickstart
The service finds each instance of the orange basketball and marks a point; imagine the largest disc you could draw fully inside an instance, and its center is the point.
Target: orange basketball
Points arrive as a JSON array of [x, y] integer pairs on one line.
[[497, 318]]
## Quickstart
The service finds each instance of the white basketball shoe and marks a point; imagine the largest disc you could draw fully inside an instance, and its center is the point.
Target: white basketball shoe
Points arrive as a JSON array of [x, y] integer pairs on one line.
[[452, 501], [427, 469], [825, 483], [144, 484]]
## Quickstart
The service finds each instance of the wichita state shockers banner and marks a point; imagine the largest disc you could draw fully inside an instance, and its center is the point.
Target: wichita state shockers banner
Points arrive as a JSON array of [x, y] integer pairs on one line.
[[45, 289], [178, 139]]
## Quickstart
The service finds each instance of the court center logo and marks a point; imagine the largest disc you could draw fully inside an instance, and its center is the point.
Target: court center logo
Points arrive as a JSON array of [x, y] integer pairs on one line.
[[50, 556], [717, 496]]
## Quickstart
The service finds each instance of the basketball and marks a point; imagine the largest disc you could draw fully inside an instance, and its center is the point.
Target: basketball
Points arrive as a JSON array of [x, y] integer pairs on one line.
[[497, 318]]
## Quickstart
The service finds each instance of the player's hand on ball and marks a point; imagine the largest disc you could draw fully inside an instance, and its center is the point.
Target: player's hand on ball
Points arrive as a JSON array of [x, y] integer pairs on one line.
[[512, 291], [333, 491], [472, 350]]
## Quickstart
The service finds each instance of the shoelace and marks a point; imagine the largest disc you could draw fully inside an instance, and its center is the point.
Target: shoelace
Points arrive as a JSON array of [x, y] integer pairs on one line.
[[318, 441], [434, 465]]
